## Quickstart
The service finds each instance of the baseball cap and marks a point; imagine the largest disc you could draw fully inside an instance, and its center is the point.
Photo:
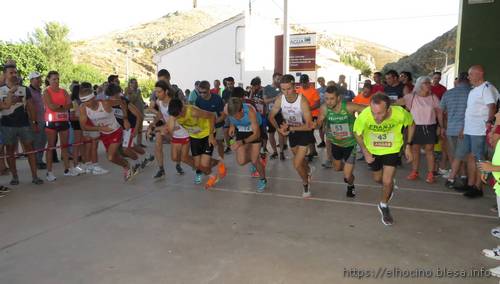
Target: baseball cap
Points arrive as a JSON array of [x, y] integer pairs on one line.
[[34, 75]]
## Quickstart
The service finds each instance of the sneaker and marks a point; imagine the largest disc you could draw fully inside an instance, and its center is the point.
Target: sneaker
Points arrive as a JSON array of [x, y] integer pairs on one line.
[[351, 192], [261, 185], [50, 176], [430, 178], [197, 178], [228, 150], [212, 180], [4, 189], [327, 164], [413, 175], [14, 181], [71, 172], [80, 169], [98, 170], [255, 174], [253, 169], [473, 192], [443, 172], [495, 271], [450, 184], [151, 157], [143, 164], [493, 253], [37, 181], [306, 193], [495, 232], [127, 174], [273, 156], [3, 194], [221, 168], [282, 156], [321, 145], [159, 174], [136, 168], [385, 215], [179, 169]]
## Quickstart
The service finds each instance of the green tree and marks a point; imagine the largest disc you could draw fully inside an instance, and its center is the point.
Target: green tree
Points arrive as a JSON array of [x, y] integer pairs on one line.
[[81, 73], [53, 41], [147, 86], [28, 57]]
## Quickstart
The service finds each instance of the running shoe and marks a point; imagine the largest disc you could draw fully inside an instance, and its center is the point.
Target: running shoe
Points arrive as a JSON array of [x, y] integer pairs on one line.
[[273, 156], [4, 189], [179, 169], [197, 178], [253, 169], [37, 181], [413, 175], [493, 253], [136, 168], [261, 185], [351, 192], [14, 181], [306, 193], [50, 176], [282, 156], [386, 216], [98, 170], [159, 174], [495, 271], [495, 232], [127, 174], [212, 180], [430, 178], [71, 172], [80, 169], [221, 168]]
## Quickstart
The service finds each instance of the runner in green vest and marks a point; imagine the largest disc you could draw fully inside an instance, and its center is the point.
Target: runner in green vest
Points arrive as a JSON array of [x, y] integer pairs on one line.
[[338, 118]]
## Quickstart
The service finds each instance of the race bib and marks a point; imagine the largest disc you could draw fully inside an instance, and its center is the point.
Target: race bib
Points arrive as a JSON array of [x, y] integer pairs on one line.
[[340, 131], [242, 128], [382, 140], [294, 120]]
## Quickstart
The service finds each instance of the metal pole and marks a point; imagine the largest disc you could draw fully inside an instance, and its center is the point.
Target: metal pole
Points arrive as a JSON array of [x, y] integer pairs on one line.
[[285, 36]]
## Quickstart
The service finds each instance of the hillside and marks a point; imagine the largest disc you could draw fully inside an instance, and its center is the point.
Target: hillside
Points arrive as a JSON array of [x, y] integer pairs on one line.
[[144, 40], [425, 60]]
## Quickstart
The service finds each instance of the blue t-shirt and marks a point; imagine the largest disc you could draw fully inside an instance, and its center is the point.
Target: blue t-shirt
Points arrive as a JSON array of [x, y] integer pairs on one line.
[[214, 104]]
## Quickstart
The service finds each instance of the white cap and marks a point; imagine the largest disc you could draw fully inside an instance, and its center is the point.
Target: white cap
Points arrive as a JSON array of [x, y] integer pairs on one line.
[[34, 75]]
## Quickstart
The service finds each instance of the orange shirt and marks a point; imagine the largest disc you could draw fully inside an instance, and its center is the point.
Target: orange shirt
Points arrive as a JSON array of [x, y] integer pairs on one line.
[[312, 97], [362, 100]]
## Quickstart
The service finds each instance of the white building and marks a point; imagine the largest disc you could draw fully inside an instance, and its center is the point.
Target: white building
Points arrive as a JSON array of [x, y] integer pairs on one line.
[[241, 47]]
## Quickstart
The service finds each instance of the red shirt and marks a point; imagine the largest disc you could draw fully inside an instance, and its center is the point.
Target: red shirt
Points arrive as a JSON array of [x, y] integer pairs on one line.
[[377, 88], [438, 90], [215, 91]]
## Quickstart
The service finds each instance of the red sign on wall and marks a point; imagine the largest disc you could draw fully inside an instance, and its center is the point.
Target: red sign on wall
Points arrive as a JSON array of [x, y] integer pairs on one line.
[[302, 52]]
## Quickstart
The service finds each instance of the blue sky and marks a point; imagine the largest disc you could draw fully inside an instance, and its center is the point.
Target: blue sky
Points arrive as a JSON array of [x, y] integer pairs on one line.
[[400, 24]]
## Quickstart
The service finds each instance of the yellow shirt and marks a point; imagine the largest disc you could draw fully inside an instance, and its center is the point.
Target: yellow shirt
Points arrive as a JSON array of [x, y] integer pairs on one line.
[[196, 127]]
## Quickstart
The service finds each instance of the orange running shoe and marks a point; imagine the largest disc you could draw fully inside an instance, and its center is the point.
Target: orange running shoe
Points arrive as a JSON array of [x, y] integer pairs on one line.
[[412, 176], [222, 169], [430, 178], [212, 180]]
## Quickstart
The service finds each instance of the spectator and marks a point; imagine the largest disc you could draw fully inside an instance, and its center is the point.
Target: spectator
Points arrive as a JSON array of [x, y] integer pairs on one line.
[[195, 93], [407, 80], [377, 87], [479, 114], [18, 121], [365, 96], [437, 88], [40, 138], [393, 88], [216, 89]]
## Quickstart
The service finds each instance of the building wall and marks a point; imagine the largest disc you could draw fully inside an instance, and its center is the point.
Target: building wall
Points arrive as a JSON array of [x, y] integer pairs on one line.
[[478, 39], [208, 58]]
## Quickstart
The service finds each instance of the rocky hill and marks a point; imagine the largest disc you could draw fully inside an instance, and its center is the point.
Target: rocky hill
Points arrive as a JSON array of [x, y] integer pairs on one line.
[[107, 52], [425, 60]]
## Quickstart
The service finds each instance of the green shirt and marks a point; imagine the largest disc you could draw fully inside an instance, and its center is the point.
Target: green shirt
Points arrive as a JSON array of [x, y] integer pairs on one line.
[[496, 162], [339, 126], [387, 137]]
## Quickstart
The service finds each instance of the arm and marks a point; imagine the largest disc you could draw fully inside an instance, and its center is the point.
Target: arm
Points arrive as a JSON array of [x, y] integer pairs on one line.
[[439, 115], [83, 121], [322, 113], [31, 110], [353, 108], [54, 107], [368, 156], [140, 118], [491, 112], [276, 108]]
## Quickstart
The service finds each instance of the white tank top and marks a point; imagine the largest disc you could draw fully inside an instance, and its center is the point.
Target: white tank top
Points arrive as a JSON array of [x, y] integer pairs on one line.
[[292, 113], [181, 132], [101, 117]]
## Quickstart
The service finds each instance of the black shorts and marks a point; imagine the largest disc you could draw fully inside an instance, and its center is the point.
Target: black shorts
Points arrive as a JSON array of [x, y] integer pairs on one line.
[[301, 138], [75, 124], [244, 135], [346, 154], [425, 134], [279, 120], [200, 147], [391, 160], [57, 125]]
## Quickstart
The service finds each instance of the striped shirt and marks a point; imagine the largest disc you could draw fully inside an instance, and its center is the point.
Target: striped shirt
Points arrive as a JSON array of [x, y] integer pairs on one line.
[[454, 103]]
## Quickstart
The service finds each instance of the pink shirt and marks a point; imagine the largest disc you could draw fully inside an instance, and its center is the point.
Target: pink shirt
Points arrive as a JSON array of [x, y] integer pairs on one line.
[[423, 109]]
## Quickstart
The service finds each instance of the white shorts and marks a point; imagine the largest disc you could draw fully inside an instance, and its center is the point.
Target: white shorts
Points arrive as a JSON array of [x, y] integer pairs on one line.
[[91, 134]]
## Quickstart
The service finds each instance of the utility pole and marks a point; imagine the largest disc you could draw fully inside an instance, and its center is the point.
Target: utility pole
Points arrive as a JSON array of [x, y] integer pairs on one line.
[[195, 4], [285, 37]]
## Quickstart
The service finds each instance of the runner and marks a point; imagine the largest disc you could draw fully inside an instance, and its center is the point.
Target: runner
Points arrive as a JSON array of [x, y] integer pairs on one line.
[[179, 138], [378, 130], [339, 118], [270, 93], [100, 115], [57, 104], [246, 126], [314, 100], [297, 125], [200, 126], [134, 118]]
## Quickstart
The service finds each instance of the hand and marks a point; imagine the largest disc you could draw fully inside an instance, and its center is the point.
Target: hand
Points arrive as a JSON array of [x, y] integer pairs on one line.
[[231, 131], [369, 157], [211, 140], [461, 134], [164, 131], [443, 132], [284, 130], [126, 124], [486, 166], [408, 154], [484, 178]]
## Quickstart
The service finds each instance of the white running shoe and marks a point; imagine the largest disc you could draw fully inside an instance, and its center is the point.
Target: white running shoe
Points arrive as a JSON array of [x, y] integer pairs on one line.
[[495, 271], [80, 169], [98, 170], [496, 232], [492, 253], [71, 172], [88, 167], [50, 176]]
